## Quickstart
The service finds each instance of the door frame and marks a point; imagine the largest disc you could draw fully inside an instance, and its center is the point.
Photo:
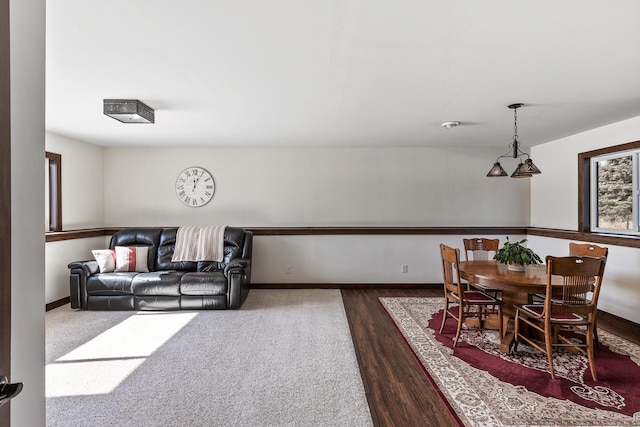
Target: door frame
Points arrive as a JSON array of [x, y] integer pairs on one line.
[[5, 203]]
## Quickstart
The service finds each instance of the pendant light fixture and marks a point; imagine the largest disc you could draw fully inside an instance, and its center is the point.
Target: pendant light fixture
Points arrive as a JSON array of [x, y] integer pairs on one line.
[[524, 169]]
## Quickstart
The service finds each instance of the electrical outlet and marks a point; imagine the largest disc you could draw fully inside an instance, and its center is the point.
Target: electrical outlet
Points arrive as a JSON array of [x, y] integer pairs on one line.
[[287, 269], [405, 268]]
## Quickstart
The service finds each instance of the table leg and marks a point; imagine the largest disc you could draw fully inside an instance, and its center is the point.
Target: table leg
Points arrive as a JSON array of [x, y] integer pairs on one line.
[[510, 299]]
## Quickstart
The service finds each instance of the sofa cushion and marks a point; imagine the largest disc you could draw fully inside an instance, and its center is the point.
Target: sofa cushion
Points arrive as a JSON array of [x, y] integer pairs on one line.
[[110, 302], [209, 266], [165, 253], [213, 283], [149, 237], [110, 283], [106, 259], [157, 283], [132, 258], [233, 244], [156, 302], [203, 302]]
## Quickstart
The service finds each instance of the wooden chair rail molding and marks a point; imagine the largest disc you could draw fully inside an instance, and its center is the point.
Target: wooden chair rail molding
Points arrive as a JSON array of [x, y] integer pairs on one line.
[[310, 231], [607, 239]]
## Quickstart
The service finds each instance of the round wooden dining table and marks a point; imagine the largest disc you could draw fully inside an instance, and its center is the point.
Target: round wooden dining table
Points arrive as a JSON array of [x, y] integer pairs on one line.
[[516, 287]]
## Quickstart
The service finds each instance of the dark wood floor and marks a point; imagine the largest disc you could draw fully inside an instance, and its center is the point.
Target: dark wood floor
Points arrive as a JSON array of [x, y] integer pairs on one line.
[[398, 390]]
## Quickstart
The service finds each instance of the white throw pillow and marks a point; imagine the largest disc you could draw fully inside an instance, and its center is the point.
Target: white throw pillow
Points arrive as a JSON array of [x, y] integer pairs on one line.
[[132, 258], [106, 259]]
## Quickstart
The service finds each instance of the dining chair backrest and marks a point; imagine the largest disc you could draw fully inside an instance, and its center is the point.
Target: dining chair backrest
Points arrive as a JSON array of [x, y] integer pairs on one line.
[[587, 249], [580, 276], [450, 273], [479, 247]]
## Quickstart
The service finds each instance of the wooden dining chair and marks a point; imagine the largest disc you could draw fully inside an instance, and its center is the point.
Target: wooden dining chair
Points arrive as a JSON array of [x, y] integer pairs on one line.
[[583, 249], [588, 249], [481, 249], [461, 295], [565, 313]]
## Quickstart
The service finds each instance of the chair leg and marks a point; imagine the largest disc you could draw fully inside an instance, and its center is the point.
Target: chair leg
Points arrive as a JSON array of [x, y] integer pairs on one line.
[[590, 353], [595, 334], [460, 320], [444, 315], [516, 328], [500, 325], [549, 346]]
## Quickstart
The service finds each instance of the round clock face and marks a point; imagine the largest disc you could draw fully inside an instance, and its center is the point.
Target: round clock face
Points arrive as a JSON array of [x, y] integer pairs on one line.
[[195, 186]]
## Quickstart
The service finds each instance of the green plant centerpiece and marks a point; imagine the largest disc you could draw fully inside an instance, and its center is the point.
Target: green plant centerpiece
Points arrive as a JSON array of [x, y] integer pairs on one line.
[[516, 255]]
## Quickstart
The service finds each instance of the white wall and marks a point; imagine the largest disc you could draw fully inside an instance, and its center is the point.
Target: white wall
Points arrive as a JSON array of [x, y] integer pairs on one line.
[[315, 187], [554, 193], [27, 22], [82, 181], [352, 259], [82, 207], [554, 204], [322, 187], [58, 255]]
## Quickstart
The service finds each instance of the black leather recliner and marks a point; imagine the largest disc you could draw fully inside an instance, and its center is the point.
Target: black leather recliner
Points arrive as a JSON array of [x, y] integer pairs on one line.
[[168, 285]]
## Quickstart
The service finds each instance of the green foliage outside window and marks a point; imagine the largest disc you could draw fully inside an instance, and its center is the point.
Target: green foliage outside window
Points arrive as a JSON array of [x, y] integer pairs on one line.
[[615, 193]]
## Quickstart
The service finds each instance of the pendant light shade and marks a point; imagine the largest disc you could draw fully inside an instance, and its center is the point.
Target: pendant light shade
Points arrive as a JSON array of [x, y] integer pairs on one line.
[[521, 172], [526, 168], [529, 167], [497, 170]]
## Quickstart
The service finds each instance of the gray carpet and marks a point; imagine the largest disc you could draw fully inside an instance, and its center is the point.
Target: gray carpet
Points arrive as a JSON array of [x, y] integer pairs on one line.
[[284, 359]]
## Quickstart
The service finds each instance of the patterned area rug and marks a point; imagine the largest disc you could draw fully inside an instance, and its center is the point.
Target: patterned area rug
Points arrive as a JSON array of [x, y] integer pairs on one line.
[[485, 387]]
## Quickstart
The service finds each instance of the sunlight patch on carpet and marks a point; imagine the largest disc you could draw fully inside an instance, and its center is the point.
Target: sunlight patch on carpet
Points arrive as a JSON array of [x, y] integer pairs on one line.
[[115, 354]]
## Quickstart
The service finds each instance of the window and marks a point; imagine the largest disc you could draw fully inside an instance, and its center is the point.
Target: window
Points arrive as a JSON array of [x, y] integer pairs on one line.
[[53, 191], [614, 206], [609, 180]]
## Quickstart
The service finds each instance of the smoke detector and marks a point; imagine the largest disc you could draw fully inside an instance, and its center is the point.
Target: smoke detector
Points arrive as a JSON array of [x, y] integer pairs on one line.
[[449, 125]]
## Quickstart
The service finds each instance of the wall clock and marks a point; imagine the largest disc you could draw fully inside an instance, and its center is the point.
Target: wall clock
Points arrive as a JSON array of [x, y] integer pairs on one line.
[[195, 186]]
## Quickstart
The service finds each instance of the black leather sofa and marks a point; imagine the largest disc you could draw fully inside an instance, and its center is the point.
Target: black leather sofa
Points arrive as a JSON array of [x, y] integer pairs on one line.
[[168, 285]]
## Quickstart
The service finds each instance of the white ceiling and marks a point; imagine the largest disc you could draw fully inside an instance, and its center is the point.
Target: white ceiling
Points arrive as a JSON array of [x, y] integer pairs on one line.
[[357, 73]]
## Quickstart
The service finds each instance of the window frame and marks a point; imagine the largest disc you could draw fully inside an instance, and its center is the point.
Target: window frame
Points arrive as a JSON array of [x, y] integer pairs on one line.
[[635, 231], [585, 215], [55, 190]]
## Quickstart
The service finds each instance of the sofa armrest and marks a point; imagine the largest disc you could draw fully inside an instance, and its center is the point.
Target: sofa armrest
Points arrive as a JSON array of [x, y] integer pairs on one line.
[[80, 271], [237, 264], [87, 267], [238, 273]]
